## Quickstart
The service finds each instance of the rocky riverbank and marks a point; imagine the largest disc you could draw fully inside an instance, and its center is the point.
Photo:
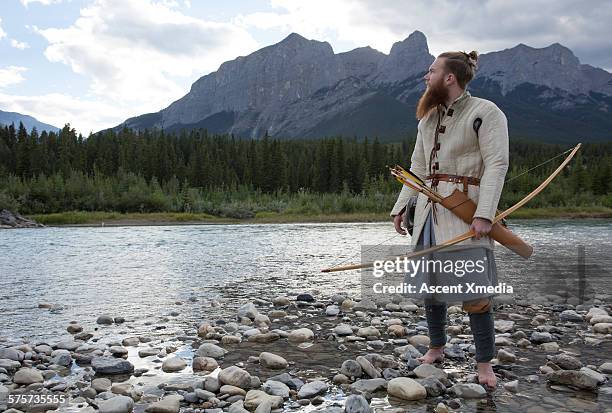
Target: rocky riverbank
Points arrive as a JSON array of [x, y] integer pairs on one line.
[[320, 353], [9, 219]]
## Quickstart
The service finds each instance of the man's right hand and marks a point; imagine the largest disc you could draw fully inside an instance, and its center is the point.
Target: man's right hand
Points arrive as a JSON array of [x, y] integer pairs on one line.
[[397, 222]]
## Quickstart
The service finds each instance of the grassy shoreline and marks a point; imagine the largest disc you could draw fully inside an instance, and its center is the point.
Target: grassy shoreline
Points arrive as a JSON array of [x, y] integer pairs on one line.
[[84, 218]]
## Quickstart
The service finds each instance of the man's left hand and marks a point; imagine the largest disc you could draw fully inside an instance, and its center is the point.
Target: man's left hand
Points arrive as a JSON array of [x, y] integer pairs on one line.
[[481, 227]]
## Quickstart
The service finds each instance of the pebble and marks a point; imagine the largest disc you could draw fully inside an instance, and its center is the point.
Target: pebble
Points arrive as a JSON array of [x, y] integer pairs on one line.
[[552, 347], [602, 328], [301, 335], [111, 365], [173, 364], [230, 339], [281, 301], [247, 310], [441, 408], [368, 368], [512, 386], [27, 376], [305, 297], [351, 368], [594, 311], [235, 376], [130, 341], [406, 389], [105, 320], [506, 356], [356, 404], [570, 315], [74, 328], [340, 379], [211, 350], [433, 386], [574, 378], [204, 394], [274, 314], [368, 385], [101, 384], [343, 330], [256, 397], [504, 326], [469, 390], [368, 332], [169, 404], [427, 370], [118, 351], [600, 318], [291, 382], [538, 337], [312, 389], [419, 340], [397, 330], [124, 389], [117, 404], [264, 337], [272, 361], [606, 368], [332, 311], [204, 364], [148, 351], [232, 390], [276, 388], [566, 362], [594, 374]]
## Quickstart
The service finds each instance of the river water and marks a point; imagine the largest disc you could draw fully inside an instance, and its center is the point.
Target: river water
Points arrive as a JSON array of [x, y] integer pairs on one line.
[[166, 280], [143, 273]]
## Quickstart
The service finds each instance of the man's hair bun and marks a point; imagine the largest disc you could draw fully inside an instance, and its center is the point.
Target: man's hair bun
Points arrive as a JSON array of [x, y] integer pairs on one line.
[[473, 58]]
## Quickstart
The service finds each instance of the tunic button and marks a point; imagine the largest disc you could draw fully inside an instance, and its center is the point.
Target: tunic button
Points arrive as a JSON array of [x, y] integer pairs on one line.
[[442, 129], [450, 112]]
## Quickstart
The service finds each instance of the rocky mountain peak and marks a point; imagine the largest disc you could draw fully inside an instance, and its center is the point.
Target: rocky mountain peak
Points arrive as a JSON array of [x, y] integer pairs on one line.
[[414, 44], [554, 66], [407, 58]]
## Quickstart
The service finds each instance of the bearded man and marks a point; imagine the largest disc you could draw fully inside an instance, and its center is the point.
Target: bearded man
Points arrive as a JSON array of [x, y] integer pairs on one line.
[[462, 143]]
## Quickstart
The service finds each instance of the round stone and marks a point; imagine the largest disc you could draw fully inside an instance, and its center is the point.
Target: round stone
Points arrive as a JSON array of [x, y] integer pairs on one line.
[[301, 335], [272, 361], [406, 389], [235, 376], [27, 376], [210, 350], [173, 364]]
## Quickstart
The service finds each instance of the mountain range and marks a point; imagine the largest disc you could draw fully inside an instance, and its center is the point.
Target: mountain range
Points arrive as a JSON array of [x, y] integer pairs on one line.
[[7, 118], [300, 88]]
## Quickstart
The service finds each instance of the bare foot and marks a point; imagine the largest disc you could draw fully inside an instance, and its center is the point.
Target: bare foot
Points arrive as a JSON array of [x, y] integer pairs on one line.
[[486, 377], [432, 355]]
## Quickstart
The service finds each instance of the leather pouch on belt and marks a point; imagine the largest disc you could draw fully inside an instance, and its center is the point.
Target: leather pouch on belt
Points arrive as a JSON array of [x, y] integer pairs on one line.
[[463, 207]]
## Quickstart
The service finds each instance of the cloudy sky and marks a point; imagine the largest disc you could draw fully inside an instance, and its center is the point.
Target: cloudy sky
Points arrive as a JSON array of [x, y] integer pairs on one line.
[[94, 63]]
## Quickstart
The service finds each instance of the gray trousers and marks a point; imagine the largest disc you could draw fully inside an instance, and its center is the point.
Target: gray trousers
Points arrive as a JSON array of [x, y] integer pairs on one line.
[[481, 324]]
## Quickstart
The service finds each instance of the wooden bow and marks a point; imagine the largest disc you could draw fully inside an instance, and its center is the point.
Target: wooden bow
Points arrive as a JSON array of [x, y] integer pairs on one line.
[[471, 233]]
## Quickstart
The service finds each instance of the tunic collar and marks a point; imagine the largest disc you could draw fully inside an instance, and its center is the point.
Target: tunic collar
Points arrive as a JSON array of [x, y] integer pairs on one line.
[[462, 98]]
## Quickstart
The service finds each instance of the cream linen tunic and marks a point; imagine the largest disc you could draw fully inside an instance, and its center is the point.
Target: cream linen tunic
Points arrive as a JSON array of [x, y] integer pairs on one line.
[[461, 153]]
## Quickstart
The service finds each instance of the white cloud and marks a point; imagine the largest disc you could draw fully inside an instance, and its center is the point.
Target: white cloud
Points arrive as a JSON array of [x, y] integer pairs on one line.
[[2, 32], [11, 75], [143, 53], [448, 25], [342, 20], [85, 115], [43, 2], [19, 45]]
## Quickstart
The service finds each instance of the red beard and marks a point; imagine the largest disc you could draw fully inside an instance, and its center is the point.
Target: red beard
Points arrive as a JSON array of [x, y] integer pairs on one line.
[[434, 95]]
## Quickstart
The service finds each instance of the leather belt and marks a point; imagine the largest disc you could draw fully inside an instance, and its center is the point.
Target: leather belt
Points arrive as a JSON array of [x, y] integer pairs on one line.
[[465, 180]]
